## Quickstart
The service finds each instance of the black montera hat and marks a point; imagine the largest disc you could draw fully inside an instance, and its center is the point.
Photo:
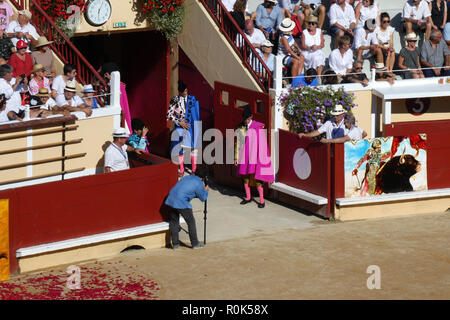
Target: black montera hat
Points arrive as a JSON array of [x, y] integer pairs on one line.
[[181, 86], [246, 113]]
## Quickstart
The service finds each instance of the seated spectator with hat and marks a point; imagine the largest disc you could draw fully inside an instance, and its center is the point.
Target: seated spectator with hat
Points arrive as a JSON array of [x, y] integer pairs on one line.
[[47, 104], [352, 132], [71, 101], [39, 80], [21, 60], [22, 29], [288, 49], [43, 55], [409, 58], [333, 128], [381, 73], [116, 157], [313, 8], [88, 98]]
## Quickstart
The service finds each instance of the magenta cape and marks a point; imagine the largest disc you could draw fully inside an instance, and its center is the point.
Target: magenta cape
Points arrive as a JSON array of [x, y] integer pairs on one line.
[[125, 106], [254, 155]]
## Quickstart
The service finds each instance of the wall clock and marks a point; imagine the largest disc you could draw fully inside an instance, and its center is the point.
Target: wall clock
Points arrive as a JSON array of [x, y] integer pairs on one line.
[[98, 12]]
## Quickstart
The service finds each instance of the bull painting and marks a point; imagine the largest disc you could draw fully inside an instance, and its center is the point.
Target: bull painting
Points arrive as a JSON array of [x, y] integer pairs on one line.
[[385, 165]]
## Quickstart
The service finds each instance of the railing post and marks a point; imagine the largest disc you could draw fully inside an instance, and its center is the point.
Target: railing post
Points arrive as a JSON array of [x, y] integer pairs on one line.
[[373, 73], [115, 89], [278, 78]]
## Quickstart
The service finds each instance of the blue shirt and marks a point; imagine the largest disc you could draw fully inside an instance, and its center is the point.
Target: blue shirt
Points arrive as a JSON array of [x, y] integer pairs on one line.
[[269, 21], [184, 191], [300, 81], [270, 63], [137, 142]]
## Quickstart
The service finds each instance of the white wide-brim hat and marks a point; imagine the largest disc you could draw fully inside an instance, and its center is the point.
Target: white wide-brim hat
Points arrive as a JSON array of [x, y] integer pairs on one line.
[[71, 86], [266, 43], [287, 25], [380, 66], [338, 110], [411, 37], [120, 133]]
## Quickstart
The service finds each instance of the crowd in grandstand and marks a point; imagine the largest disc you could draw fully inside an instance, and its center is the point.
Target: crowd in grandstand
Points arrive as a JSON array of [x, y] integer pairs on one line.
[[360, 30], [28, 75]]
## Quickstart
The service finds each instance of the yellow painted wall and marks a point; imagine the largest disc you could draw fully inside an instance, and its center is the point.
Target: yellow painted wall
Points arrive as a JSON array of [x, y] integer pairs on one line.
[[363, 110], [4, 240]]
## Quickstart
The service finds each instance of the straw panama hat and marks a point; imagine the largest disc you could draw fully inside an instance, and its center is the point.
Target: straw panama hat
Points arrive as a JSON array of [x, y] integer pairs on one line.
[[338, 110], [287, 25], [313, 18], [380, 66], [43, 92], [42, 41], [71, 86], [411, 37], [37, 67], [26, 13], [266, 43], [120, 133]]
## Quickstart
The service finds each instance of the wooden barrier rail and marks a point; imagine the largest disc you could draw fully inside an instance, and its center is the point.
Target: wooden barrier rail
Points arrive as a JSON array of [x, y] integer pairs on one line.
[[38, 133], [42, 176], [24, 164], [42, 146]]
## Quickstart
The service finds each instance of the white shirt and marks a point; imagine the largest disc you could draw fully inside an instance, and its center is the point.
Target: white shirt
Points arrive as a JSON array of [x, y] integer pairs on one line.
[[14, 27], [410, 11], [59, 84], [14, 103], [4, 116], [257, 36], [355, 133], [6, 88], [329, 126], [370, 12], [115, 158], [360, 38], [75, 101], [49, 104], [340, 64], [384, 36], [343, 17]]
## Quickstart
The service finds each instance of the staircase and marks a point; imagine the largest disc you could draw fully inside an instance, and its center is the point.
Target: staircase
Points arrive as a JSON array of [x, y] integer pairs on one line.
[[64, 49], [219, 49]]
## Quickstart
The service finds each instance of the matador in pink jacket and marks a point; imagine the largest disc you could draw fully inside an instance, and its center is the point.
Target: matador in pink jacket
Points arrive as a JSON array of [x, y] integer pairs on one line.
[[252, 156]]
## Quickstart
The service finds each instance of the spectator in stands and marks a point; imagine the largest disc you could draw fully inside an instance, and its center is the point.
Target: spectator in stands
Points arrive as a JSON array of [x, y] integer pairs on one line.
[[333, 128], [268, 18], [255, 36], [408, 58], [6, 16], [356, 75], [438, 9], [313, 8], [22, 29], [416, 17], [59, 83], [435, 54], [329, 77], [382, 75], [307, 79], [39, 80], [47, 104], [312, 44], [366, 9], [342, 20], [44, 56], [341, 59], [265, 52], [12, 88], [366, 42], [88, 97], [138, 140], [3, 112], [385, 36], [70, 101], [291, 7], [116, 157], [288, 49], [238, 13], [21, 60], [352, 132], [6, 48]]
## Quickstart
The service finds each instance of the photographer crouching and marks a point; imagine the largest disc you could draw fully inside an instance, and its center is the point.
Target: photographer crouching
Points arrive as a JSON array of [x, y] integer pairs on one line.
[[186, 189]]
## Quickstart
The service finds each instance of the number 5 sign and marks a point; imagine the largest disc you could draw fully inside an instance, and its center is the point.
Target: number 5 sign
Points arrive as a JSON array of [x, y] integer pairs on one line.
[[418, 106]]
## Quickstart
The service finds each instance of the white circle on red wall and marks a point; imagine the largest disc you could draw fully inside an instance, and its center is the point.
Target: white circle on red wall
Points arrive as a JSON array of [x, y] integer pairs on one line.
[[302, 164]]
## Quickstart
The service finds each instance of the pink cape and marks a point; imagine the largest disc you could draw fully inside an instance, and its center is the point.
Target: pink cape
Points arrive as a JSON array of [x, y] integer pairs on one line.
[[125, 106], [254, 156]]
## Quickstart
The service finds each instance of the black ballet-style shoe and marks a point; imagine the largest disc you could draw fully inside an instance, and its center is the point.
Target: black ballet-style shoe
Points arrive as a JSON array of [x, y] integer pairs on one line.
[[261, 205], [246, 201]]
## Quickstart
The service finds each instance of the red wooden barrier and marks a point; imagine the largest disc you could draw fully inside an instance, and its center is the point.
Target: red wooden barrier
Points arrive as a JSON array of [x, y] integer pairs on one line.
[[304, 164], [438, 147], [90, 205], [227, 116]]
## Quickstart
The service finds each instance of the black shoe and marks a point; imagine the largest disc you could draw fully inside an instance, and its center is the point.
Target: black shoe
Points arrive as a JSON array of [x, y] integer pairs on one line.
[[198, 246], [261, 205], [246, 201]]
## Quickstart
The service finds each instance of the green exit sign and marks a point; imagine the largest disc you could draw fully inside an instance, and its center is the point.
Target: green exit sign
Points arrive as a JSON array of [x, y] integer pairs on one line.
[[120, 25]]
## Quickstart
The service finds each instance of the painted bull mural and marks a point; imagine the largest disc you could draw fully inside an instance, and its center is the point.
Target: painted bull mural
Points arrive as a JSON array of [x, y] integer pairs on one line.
[[385, 165]]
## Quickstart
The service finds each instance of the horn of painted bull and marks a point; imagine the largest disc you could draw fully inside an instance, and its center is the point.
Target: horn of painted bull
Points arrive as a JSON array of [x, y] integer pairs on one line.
[[402, 158]]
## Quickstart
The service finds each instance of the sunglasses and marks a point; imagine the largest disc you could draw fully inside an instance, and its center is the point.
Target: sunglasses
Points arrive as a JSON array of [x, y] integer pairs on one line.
[[358, 68], [386, 21], [311, 23]]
